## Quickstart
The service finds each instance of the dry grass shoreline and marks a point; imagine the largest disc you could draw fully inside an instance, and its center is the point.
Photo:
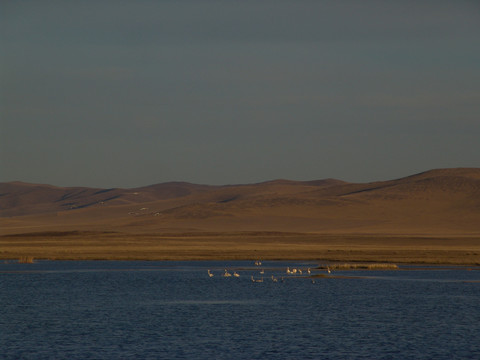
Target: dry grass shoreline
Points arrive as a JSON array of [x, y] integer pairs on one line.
[[77, 245]]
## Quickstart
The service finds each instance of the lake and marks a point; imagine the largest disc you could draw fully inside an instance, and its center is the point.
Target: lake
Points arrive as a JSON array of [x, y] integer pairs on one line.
[[174, 310]]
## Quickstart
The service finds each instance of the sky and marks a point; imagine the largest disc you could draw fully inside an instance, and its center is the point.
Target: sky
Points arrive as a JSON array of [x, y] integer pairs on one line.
[[132, 93]]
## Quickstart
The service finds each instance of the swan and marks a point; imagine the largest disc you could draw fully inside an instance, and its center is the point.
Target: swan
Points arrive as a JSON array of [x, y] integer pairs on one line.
[[236, 274], [227, 274], [209, 273]]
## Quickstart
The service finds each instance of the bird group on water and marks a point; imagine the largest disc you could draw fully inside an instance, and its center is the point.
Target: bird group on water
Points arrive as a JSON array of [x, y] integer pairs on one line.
[[293, 271]]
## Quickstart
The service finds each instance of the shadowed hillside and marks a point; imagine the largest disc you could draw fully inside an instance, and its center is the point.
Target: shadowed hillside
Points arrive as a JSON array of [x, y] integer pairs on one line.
[[18, 198], [432, 202]]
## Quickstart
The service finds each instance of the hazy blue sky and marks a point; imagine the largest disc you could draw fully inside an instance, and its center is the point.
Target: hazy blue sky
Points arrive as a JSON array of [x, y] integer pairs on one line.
[[131, 93]]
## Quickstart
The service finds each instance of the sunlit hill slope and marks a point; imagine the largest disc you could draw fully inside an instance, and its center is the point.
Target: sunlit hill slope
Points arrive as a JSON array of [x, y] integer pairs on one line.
[[443, 201]]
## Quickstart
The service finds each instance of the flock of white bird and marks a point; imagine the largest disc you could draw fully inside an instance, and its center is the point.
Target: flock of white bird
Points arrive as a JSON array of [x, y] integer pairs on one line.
[[293, 271]]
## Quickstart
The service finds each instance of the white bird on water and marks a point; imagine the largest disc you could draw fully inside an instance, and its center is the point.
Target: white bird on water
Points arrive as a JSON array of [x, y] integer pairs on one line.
[[209, 273], [227, 274], [236, 274]]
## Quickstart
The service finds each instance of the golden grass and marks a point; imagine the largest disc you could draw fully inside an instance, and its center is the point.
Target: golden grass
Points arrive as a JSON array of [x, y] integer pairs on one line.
[[242, 246], [361, 266], [25, 259]]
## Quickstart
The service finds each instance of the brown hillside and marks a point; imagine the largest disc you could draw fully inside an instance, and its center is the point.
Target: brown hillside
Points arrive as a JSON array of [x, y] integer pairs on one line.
[[20, 198], [444, 201]]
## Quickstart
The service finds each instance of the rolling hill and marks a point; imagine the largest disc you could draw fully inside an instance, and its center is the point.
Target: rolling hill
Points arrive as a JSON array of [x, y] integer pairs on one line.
[[442, 201]]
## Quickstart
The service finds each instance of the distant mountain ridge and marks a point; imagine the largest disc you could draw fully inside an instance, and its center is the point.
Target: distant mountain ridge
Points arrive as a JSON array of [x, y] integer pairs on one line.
[[436, 200], [20, 198]]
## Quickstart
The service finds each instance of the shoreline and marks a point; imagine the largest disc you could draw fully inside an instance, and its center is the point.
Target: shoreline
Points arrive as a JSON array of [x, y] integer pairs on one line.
[[377, 248]]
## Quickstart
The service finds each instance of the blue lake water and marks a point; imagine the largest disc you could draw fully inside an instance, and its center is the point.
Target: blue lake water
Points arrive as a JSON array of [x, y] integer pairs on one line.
[[174, 310]]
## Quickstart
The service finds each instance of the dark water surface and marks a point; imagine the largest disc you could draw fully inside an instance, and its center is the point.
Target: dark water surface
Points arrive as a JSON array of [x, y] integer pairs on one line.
[[174, 310]]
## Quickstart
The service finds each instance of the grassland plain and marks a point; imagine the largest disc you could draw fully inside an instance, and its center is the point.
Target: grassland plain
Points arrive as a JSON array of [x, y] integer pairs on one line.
[[431, 217], [77, 245]]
